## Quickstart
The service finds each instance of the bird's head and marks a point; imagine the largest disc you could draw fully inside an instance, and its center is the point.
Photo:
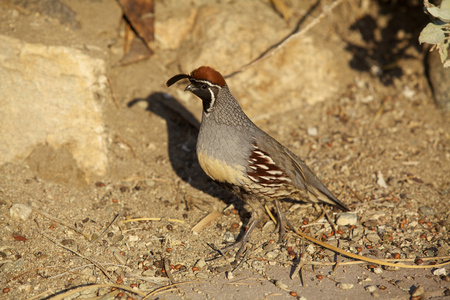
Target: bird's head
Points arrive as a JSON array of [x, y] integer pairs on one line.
[[206, 84]]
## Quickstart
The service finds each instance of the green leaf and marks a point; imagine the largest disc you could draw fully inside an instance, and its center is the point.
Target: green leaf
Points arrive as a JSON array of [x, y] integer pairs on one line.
[[432, 34]]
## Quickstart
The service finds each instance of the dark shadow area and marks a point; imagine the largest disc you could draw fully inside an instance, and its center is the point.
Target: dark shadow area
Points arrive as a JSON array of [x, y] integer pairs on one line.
[[182, 130], [386, 43]]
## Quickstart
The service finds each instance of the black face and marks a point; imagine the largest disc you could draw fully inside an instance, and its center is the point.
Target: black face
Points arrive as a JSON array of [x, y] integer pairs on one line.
[[205, 91]]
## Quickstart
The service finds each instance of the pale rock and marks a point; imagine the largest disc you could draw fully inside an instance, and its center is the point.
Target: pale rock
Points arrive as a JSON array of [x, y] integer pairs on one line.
[[419, 291], [373, 237], [440, 272], [345, 286], [282, 285], [371, 288], [20, 211], [200, 263], [50, 108], [222, 35], [343, 219], [312, 131]]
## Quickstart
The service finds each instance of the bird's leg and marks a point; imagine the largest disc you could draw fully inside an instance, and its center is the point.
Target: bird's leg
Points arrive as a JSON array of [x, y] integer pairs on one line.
[[243, 241], [282, 222], [255, 208]]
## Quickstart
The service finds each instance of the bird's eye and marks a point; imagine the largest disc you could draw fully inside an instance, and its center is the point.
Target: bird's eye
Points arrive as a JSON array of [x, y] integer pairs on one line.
[[204, 87]]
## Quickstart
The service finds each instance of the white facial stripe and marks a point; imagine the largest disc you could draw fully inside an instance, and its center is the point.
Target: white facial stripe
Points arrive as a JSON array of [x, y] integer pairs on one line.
[[213, 99], [207, 82]]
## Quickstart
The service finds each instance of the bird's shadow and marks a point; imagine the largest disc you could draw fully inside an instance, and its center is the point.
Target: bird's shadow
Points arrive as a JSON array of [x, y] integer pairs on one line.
[[182, 130]]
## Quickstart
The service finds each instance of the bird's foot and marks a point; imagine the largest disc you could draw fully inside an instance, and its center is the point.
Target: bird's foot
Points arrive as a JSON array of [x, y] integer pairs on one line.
[[282, 223]]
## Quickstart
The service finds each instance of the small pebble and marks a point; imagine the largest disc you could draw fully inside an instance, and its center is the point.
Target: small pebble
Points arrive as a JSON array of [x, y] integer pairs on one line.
[[258, 265], [371, 288], [312, 131], [440, 272], [310, 249], [346, 219], [133, 238], [378, 270], [269, 226], [345, 286], [281, 285], [229, 237], [202, 275], [120, 258], [200, 263], [271, 254], [20, 211], [419, 291], [428, 211], [229, 275], [375, 295], [373, 237]]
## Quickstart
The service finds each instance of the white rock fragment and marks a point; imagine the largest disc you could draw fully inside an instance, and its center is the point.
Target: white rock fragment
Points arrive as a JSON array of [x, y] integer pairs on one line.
[[371, 288], [200, 263], [440, 272], [345, 286], [312, 131], [378, 270], [343, 219], [20, 211], [310, 249], [133, 238], [229, 275], [419, 291], [282, 285], [380, 180]]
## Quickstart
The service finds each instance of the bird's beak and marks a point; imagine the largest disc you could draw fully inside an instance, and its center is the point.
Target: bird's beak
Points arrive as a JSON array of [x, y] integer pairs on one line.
[[190, 88]]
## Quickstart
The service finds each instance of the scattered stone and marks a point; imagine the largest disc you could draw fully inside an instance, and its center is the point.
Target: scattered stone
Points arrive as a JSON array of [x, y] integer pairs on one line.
[[345, 286], [229, 237], [375, 295], [311, 249], [428, 211], [343, 219], [133, 238], [258, 265], [149, 272], [120, 258], [271, 254], [312, 131], [419, 291], [282, 285], [26, 288], [380, 180], [377, 270], [202, 275], [229, 275], [371, 288], [20, 211], [440, 272], [269, 226], [373, 237], [200, 263]]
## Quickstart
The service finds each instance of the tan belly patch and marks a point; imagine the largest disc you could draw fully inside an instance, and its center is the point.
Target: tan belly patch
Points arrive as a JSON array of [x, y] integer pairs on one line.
[[220, 171]]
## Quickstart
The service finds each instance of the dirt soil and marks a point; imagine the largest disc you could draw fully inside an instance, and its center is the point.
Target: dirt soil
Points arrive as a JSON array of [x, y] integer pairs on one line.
[[381, 144]]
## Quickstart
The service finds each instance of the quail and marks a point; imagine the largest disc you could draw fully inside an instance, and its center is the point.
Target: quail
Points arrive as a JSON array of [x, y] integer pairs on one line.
[[242, 158]]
